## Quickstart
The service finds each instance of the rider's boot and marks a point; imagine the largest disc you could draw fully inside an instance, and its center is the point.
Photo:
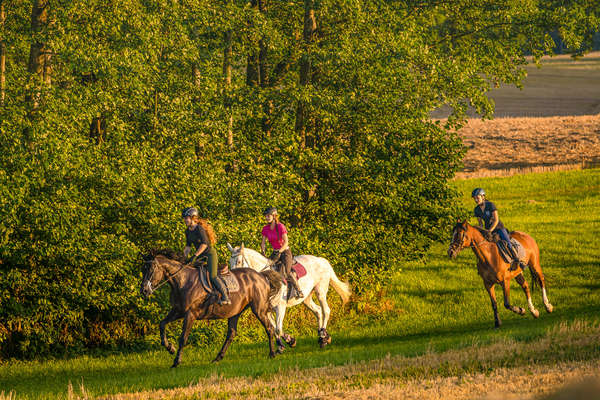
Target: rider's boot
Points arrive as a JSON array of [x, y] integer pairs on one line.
[[294, 281], [218, 283]]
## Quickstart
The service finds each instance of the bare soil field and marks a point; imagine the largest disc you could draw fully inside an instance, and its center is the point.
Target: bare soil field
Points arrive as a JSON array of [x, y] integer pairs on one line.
[[553, 123], [505, 146]]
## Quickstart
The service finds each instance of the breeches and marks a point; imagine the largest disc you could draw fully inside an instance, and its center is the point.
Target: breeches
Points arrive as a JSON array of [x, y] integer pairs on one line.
[[285, 259]]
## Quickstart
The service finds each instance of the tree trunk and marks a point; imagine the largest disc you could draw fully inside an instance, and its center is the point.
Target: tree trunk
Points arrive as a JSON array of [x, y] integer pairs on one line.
[[39, 54], [310, 26], [263, 74], [2, 57], [227, 56]]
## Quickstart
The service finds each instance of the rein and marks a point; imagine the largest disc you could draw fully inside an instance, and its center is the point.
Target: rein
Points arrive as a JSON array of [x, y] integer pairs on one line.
[[183, 266]]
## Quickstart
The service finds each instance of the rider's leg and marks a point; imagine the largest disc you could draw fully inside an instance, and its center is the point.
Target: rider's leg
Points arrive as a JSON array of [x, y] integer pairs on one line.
[[214, 278], [287, 260], [503, 233]]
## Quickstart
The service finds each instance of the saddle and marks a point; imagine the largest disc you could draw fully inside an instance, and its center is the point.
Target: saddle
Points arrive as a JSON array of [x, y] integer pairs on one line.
[[298, 269], [505, 252], [231, 283]]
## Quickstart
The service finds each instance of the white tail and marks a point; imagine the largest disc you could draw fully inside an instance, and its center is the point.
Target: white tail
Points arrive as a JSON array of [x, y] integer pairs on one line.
[[342, 288]]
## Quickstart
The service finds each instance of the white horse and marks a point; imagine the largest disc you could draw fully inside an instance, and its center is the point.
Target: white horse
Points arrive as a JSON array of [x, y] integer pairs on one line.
[[319, 274]]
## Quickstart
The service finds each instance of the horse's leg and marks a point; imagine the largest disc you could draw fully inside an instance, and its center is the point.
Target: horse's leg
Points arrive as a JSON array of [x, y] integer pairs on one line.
[[521, 281], [188, 321], [280, 315], [534, 263], [321, 292], [492, 293], [506, 287], [262, 313], [231, 333], [171, 316], [312, 306]]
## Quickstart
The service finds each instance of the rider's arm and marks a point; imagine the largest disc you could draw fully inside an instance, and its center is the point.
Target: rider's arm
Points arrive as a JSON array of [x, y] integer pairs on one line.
[[284, 245], [263, 244], [495, 220], [201, 249]]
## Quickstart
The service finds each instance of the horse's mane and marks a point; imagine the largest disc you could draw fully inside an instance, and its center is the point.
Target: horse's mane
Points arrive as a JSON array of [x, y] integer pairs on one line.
[[169, 253]]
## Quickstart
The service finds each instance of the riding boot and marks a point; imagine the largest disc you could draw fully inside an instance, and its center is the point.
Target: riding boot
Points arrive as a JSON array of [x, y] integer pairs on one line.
[[220, 286], [294, 281]]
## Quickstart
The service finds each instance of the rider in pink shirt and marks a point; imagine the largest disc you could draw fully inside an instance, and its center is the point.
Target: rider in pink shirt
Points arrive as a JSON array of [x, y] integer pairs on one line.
[[276, 233]]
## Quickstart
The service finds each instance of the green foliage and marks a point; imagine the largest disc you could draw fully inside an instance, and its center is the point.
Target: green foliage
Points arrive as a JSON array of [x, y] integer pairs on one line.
[[369, 189]]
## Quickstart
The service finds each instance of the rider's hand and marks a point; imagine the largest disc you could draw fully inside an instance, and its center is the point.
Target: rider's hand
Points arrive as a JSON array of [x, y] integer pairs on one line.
[[488, 236], [192, 259]]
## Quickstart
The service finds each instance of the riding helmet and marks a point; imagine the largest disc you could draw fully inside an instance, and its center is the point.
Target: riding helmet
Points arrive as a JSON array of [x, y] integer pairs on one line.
[[270, 210], [477, 192], [189, 212]]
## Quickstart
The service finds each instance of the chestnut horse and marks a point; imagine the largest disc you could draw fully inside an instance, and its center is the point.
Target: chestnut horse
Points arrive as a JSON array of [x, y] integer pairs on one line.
[[494, 270], [191, 301]]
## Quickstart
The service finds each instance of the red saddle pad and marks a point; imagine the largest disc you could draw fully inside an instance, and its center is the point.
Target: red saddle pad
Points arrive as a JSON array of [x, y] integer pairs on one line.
[[300, 270]]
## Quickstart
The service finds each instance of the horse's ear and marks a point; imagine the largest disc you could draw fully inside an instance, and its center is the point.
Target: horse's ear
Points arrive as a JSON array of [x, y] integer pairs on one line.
[[465, 223], [229, 247], [242, 246]]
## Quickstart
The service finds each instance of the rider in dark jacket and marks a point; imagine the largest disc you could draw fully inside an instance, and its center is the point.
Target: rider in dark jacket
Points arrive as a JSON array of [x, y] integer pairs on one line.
[[487, 214], [201, 235]]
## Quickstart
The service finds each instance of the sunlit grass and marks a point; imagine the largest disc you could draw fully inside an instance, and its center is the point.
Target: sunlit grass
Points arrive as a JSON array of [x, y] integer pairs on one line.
[[433, 305]]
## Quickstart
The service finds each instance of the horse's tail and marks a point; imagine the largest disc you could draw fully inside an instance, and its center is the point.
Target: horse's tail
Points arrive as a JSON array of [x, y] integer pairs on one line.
[[275, 281], [535, 278], [342, 288]]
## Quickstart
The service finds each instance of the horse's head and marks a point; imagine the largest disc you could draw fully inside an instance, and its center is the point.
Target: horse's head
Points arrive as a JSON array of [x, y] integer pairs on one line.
[[237, 259], [460, 238], [152, 274]]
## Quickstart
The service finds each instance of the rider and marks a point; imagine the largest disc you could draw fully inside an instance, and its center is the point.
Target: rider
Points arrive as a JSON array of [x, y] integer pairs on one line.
[[486, 212], [276, 233], [200, 234]]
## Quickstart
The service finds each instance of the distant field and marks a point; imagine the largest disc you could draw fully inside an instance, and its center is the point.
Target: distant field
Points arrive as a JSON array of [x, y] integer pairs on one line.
[[561, 87], [432, 338], [525, 144]]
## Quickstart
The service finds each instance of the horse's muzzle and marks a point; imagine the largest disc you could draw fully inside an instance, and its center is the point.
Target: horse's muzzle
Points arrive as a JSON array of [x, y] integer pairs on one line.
[[146, 290], [452, 252]]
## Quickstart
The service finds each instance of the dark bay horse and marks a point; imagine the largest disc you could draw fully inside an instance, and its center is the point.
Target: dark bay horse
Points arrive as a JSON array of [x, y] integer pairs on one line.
[[191, 301], [494, 270]]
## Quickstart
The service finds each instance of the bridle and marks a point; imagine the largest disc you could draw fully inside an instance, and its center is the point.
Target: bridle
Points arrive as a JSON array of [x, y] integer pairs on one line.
[[245, 260], [153, 266], [459, 247]]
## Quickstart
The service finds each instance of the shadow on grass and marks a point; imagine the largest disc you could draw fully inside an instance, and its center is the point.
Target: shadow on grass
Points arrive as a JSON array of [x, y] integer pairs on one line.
[[153, 372]]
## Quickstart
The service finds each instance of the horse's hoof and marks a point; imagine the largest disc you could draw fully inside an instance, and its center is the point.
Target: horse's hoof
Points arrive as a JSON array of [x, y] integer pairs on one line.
[[328, 340], [216, 360], [497, 325], [271, 355], [549, 308], [292, 342], [535, 313], [280, 350], [175, 364], [171, 350], [521, 311]]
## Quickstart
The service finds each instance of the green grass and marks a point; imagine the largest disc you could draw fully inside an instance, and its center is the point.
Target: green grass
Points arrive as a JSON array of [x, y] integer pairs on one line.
[[433, 305]]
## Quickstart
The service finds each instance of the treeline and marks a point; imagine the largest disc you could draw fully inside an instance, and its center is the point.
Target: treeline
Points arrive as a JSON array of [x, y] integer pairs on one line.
[[114, 115]]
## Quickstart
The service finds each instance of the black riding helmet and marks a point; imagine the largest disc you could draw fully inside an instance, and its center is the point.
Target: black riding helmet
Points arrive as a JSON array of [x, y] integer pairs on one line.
[[189, 212], [270, 210], [477, 192]]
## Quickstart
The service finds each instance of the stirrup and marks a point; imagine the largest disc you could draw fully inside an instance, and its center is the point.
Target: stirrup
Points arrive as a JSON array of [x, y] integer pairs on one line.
[[514, 265]]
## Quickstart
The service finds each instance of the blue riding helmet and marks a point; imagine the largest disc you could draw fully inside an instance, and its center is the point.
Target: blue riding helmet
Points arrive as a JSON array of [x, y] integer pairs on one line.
[[270, 210], [189, 212], [477, 192]]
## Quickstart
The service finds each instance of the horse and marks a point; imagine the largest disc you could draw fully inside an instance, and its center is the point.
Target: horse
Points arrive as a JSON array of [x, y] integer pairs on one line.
[[319, 274], [494, 270], [190, 299]]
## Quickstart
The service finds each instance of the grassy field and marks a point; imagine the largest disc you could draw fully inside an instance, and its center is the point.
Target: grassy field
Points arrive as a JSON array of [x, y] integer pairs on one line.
[[435, 310]]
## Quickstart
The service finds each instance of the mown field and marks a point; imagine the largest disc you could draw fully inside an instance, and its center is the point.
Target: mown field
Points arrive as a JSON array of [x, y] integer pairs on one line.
[[433, 323]]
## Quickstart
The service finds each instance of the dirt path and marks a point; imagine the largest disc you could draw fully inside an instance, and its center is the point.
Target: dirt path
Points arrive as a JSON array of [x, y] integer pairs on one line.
[[506, 146]]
